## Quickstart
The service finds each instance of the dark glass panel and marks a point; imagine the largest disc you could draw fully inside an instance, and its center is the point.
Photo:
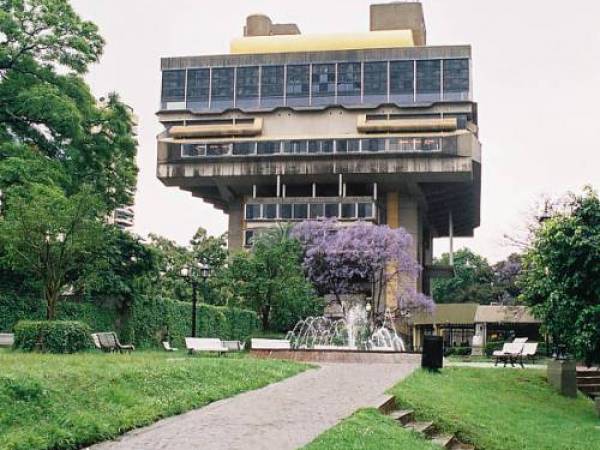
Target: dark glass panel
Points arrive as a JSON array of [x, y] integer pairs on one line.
[[402, 75], [198, 85], [252, 211], [373, 145], [271, 85], [222, 84], [365, 210], [269, 211], [286, 211], [246, 83], [298, 81], [268, 147], [331, 210], [348, 79], [323, 80], [348, 211], [429, 77], [317, 210], [244, 148], [173, 85], [300, 211], [376, 78]]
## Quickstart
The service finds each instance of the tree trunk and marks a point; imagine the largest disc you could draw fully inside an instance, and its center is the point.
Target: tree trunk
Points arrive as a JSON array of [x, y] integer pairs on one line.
[[265, 310], [51, 300]]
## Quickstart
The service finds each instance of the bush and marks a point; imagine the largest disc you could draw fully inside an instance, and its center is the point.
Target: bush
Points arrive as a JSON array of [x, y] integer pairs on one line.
[[458, 351], [491, 347], [154, 319], [52, 336]]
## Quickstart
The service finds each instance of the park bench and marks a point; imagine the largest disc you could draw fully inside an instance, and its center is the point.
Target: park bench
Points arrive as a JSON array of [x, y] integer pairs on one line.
[[109, 342], [209, 345], [167, 346], [7, 339], [270, 344], [511, 353], [529, 351], [96, 341], [234, 346]]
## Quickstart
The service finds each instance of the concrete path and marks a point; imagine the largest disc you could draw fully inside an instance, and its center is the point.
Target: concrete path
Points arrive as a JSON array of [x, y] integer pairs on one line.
[[284, 415]]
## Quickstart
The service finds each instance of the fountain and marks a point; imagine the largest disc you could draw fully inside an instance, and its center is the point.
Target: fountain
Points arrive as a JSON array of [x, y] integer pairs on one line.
[[353, 332]]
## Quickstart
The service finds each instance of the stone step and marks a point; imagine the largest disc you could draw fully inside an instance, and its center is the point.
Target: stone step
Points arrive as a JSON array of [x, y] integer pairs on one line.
[[588, 373], [424, 428], [386, 404], [588, 380], [589, 388], [444, 440], [403, 416], [461, 446]]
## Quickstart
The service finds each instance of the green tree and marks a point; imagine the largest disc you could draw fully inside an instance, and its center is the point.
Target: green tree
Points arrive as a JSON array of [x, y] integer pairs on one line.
[[269, 279], [48, 109], [561, 275], [50, 237], [471, 283]]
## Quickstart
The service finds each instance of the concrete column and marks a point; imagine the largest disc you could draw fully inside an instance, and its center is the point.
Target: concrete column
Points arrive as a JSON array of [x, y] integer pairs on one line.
[[236, 224]]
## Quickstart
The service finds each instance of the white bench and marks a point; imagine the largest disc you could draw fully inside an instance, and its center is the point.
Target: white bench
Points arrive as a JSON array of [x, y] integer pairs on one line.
[[7, 339], [234, 346], [270, 344], [196, 345]]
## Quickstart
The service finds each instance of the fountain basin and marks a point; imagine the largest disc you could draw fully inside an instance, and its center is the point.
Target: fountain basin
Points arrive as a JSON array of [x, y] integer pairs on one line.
[[339, 355]]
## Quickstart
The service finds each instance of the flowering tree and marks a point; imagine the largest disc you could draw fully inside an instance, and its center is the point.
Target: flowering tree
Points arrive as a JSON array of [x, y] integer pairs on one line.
[[341, 259]]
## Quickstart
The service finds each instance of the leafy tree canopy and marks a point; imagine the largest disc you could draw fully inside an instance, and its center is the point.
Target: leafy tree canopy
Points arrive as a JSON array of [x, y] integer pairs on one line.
[[561, 275], [50, 237]]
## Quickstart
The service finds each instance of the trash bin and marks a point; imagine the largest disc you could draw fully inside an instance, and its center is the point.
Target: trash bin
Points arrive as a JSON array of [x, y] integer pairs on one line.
[[433, 353]]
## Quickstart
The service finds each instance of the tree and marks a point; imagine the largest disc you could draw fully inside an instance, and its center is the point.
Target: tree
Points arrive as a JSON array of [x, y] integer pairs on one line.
[[506, 274], [47, 108], [50, 237], [471, 283], [340, 260], [561, 276], [270, 280]]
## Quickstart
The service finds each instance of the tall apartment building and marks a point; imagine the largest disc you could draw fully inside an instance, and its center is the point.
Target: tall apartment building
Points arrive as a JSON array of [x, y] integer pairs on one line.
[[373, 126]]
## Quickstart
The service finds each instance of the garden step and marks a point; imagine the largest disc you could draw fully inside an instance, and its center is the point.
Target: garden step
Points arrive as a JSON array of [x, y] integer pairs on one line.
[[403, 416], [461, 446], [589, 388], [425, 428], [588, 380], [444, 440]]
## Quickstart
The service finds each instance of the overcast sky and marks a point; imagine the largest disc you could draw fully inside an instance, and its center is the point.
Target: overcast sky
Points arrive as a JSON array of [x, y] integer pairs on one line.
[[536, 79]]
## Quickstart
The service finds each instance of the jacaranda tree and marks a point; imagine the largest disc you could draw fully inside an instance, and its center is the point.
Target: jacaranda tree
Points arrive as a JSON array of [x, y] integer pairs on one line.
[[342, 259]]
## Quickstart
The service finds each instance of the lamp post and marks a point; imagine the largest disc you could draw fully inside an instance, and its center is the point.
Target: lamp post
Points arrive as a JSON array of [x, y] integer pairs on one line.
[[190, 273]]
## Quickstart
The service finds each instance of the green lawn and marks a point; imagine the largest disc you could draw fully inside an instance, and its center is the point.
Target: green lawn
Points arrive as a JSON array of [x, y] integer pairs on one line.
[[499, 409], [59, 402], [368, 429]]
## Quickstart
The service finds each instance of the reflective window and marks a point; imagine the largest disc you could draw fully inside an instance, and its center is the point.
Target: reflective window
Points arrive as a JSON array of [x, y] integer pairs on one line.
[[192, 150], [348, 81], [173, 85], [331, 210], [316, 210], [429, 79], [267, 148], [323, 80], [402, 74], [222, 87], [295, 146], [456, 78], [298, 81], [402, 144], [376, 78], [246, 83], [348, 210], [252, 211], [365, 210], [347, 145], [270, 211], [320, 146], [430, 144], [286, 211], [373, 145], [271, 85], [300, 211], [217, 149], [248, 237], [198, 86], [244, 148]]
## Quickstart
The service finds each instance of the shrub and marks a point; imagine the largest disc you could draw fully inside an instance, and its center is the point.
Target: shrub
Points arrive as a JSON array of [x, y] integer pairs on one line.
[[491, 347], [52, 336], [458, 351], [153, 319]]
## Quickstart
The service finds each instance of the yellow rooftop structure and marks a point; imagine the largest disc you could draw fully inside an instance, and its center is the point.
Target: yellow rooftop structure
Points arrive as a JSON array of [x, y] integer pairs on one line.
[[322, 42]]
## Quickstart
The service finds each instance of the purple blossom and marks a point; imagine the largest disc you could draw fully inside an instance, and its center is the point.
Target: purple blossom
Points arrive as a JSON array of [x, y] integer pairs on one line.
[[340, 259]]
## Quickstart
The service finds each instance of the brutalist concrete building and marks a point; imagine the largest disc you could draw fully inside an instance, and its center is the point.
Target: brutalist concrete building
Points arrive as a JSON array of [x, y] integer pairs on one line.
[[373, 126]]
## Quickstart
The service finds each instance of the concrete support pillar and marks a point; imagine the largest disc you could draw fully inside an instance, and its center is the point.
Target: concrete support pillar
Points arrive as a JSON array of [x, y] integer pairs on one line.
[[236, 222], [403, 211]]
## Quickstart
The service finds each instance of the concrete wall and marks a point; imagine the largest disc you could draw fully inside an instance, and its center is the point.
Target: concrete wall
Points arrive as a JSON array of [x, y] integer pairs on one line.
[[400, 16]]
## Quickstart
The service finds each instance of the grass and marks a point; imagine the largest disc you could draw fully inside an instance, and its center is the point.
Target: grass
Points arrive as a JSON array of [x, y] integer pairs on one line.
[[368, 429], [501, 409], [64, 402]]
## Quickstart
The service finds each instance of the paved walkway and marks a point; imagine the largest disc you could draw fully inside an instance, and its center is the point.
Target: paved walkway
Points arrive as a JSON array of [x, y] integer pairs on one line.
[[284, 415]]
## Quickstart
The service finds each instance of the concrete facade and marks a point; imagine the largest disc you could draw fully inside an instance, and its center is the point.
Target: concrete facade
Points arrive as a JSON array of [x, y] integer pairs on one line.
[[371, 128]]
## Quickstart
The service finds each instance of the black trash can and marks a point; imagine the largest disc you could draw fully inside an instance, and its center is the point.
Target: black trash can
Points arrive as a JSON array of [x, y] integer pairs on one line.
[[433, 353]]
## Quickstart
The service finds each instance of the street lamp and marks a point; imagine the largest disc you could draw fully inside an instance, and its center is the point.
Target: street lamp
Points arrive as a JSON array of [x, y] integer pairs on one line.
[[190, 273]]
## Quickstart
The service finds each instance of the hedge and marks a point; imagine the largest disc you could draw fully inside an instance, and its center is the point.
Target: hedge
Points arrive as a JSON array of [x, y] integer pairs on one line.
[[52, 336], [155, 319], [149, 321]]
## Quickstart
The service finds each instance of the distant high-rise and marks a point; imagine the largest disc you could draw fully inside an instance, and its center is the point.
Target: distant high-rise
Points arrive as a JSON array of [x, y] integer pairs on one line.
[[372, 126]]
